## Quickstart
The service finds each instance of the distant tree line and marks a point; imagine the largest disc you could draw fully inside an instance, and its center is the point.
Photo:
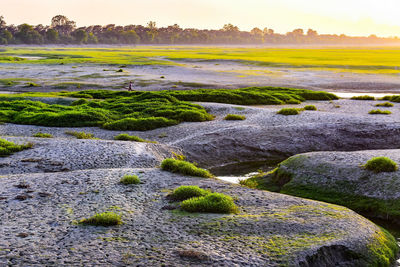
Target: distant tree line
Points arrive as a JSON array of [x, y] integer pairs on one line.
[[64, 31]]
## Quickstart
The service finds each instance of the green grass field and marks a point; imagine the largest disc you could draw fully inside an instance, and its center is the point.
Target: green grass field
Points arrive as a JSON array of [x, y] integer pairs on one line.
[[360, 60]]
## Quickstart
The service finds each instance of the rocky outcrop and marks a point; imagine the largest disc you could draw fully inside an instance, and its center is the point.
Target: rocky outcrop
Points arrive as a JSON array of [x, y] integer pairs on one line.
[[60, 155], [339, 177], [39, 213]]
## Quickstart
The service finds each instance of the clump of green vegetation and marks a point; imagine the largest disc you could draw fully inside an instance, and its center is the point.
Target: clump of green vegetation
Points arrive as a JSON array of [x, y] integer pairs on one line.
[[288, 111], [142, 124], [80, 135], [213, 202], [8, 148], [130, 179], [32, 84], [380, 112], [134, 138], [81, 101], [120, 70], [234, 117], [123, 110], [253, 95], [103, 219], [392, 98], [185, 192], [293, 102], [381, 164], [386, 104], [184, 167], [310, 107], [42, 135], [250, 183], [242, 96], [363, 97]]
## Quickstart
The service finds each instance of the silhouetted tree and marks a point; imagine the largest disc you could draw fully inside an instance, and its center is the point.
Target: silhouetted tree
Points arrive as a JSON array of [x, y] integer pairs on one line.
[[62, 24], [52, 36]]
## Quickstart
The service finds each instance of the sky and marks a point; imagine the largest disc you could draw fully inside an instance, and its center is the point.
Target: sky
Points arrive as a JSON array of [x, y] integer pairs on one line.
[[351, 17]]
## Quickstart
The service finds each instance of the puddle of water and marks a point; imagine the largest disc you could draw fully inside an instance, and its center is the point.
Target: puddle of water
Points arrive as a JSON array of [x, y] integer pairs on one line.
[[233, 173], [350, 95], [235, 179], [31, 58]]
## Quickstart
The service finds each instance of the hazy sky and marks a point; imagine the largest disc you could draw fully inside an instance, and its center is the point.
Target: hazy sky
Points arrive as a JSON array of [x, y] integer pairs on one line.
[[352, 17]]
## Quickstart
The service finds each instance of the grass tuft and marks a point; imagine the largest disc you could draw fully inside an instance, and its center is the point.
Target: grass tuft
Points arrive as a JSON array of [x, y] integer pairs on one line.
[[103, 219], [386, 104], [363, 97], [130, 179], [185, 192], [380, 112], [42, 135], [288, 111], [133, 138], [213, 202], [80, 135], [381, 164], [234, 117], [310, 107], [141, 124], [8, 148], [184, 167]]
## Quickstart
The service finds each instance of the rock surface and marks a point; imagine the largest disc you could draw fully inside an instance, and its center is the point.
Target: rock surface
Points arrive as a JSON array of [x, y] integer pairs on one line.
[[340, 177], [46, 190], [54, 155], [271, 229], [342, 125]]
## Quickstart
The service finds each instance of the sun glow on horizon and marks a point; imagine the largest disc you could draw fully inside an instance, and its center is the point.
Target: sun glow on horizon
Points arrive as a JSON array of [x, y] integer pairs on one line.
[[341, 16]]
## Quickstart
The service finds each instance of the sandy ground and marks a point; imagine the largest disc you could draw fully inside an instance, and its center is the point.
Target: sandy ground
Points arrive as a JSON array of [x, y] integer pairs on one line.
[[188, 75]]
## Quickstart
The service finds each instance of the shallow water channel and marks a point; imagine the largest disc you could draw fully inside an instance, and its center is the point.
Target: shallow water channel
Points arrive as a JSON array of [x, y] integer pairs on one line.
[[233, 173]]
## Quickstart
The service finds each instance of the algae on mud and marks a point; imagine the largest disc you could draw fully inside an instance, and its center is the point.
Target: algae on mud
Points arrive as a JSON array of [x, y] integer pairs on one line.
[[142, 111]]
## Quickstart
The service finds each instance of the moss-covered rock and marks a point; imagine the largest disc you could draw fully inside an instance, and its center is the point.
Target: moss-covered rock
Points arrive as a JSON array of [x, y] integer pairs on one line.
[[341, 178]]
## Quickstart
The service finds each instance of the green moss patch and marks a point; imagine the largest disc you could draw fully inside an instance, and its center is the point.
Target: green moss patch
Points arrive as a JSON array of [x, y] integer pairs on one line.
[[392, 98], [103, 219], [130, 179], [381, 164], [8, 148], [213, 203], [185, 192], [242, 96], [386, 104], [310, 107], [380, 112], [363, 97], [184, 167], [80, 135], [42, 135], [123, 110], [234, 117], [133, 138], [288, 111]]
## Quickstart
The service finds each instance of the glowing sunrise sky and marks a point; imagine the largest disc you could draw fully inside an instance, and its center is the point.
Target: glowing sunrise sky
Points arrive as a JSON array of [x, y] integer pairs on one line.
[[351, 17]]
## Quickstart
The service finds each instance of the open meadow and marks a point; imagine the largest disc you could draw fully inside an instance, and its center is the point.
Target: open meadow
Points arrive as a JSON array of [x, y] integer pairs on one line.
[[352, 69]]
